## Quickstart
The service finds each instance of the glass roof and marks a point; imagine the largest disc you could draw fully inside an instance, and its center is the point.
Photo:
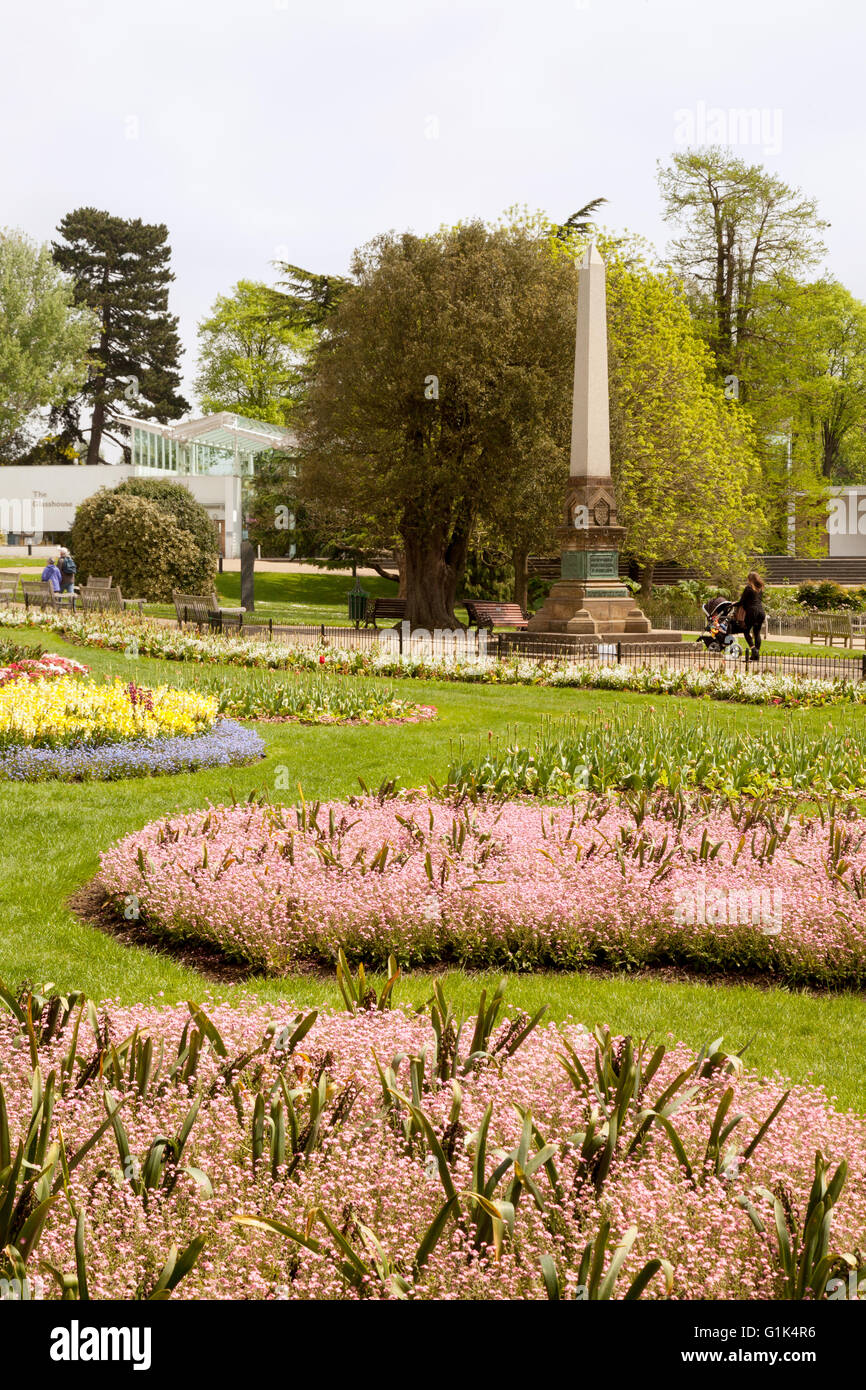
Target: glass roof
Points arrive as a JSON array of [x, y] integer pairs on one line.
[[224, 431]]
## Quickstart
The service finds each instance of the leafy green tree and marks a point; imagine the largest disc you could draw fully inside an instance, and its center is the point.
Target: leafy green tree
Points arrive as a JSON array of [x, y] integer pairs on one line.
[[44, 339], [120, 270], [249, 358], [810, 376], [683, 457], [740, 230], [278, 520], [444, 371]]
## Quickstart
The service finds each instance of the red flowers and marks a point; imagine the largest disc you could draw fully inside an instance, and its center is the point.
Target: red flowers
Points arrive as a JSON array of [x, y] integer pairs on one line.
[[40, 668]]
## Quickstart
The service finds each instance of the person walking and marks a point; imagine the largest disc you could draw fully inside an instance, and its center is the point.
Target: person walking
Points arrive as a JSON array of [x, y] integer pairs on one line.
[[51, 575], [68, 569], [749, 614]]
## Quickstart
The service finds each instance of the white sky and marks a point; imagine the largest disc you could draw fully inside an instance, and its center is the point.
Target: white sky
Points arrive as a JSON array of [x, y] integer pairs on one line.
[[258, 129]]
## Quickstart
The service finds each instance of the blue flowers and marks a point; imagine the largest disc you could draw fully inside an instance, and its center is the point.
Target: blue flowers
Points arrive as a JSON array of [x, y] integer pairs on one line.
[[227, 744]]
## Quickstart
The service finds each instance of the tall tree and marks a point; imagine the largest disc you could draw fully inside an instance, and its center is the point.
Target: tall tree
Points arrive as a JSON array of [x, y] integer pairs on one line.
[[741, 228], [444, 371], [120, 270], [44, 339], [250, 358], [683, 457], [810, 374]]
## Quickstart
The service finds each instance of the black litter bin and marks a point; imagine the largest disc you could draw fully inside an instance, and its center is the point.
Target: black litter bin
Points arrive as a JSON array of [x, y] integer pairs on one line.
[[357, 604]]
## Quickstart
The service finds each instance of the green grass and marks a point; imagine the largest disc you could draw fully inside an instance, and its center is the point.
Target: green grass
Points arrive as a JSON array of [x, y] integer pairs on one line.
[[51, 835], [293, 597]]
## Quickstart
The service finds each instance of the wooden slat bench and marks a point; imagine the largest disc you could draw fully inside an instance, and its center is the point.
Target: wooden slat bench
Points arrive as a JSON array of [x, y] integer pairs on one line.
[[204, 610], [384, 608], [99, 599], [97, 582], [485, 613], [38, 593], [8, 588], [829, 626]]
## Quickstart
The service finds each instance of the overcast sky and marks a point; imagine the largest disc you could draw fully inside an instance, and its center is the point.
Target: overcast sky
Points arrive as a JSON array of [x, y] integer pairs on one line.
[[264, 129]]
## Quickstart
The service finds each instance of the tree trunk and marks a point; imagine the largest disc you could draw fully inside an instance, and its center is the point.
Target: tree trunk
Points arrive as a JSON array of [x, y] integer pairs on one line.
[[519, 557], [829, 450], [433, 567], [400, 558], [97, 425], [645, 576]]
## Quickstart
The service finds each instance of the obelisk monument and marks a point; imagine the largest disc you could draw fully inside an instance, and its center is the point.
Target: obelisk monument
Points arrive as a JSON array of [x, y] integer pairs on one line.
[[589, 599]]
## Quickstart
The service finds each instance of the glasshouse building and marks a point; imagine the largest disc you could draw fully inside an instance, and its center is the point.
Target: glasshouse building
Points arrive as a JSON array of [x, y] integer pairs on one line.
[[211, 456]]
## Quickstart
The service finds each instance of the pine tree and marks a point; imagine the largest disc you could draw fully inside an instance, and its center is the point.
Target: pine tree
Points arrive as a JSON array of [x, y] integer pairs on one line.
[[120, 270]]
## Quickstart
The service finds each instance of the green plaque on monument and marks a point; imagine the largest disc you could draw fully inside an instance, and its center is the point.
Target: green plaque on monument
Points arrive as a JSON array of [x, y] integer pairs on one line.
[[590, 564], [603, 564]]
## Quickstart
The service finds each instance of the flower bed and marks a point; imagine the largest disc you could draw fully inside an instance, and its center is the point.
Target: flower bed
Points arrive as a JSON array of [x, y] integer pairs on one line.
[[70, 730], [172, 644], [67, 711], [307, 1122], [44, 667], [227, 744], [516, 885], [297, 696], [645, 751]]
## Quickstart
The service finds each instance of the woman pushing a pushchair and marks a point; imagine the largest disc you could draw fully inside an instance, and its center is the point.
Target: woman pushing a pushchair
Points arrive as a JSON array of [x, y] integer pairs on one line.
[[726, 620], [749, 615]]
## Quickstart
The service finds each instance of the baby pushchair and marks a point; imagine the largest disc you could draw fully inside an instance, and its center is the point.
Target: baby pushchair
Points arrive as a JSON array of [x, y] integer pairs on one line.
[[719, 634]]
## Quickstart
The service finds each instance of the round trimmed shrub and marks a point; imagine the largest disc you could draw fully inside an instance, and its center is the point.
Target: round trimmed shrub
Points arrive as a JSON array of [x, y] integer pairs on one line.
[[150, 542], [137, 543], [189, 515]]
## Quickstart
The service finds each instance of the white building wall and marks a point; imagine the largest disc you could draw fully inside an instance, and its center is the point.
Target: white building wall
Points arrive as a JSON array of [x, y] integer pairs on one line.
[[49, 496]]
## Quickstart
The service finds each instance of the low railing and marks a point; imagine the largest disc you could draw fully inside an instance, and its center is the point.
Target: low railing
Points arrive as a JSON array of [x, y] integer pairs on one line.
[[503, 646]]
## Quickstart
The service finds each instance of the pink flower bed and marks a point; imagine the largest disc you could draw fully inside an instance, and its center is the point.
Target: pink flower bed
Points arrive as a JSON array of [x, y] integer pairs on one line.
[[518, 885], [41, 668], [362, 1173]]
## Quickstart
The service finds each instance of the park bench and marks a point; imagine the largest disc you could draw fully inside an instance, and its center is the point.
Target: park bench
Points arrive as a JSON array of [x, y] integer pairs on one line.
[[384, 608], [8, 588], [97, 598], [487, 614], [95, 582], [204, 610], [829, 626], [38, 593]]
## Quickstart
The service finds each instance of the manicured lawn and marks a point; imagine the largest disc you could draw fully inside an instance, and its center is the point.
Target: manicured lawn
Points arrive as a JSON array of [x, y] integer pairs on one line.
[[294, 598], [51, 835]]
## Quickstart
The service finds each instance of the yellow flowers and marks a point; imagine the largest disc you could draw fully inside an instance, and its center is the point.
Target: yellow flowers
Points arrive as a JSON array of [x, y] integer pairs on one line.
[[70, 710]]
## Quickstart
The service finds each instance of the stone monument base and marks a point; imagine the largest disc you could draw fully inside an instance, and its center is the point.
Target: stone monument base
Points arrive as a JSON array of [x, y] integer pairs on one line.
[[585, 611]]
